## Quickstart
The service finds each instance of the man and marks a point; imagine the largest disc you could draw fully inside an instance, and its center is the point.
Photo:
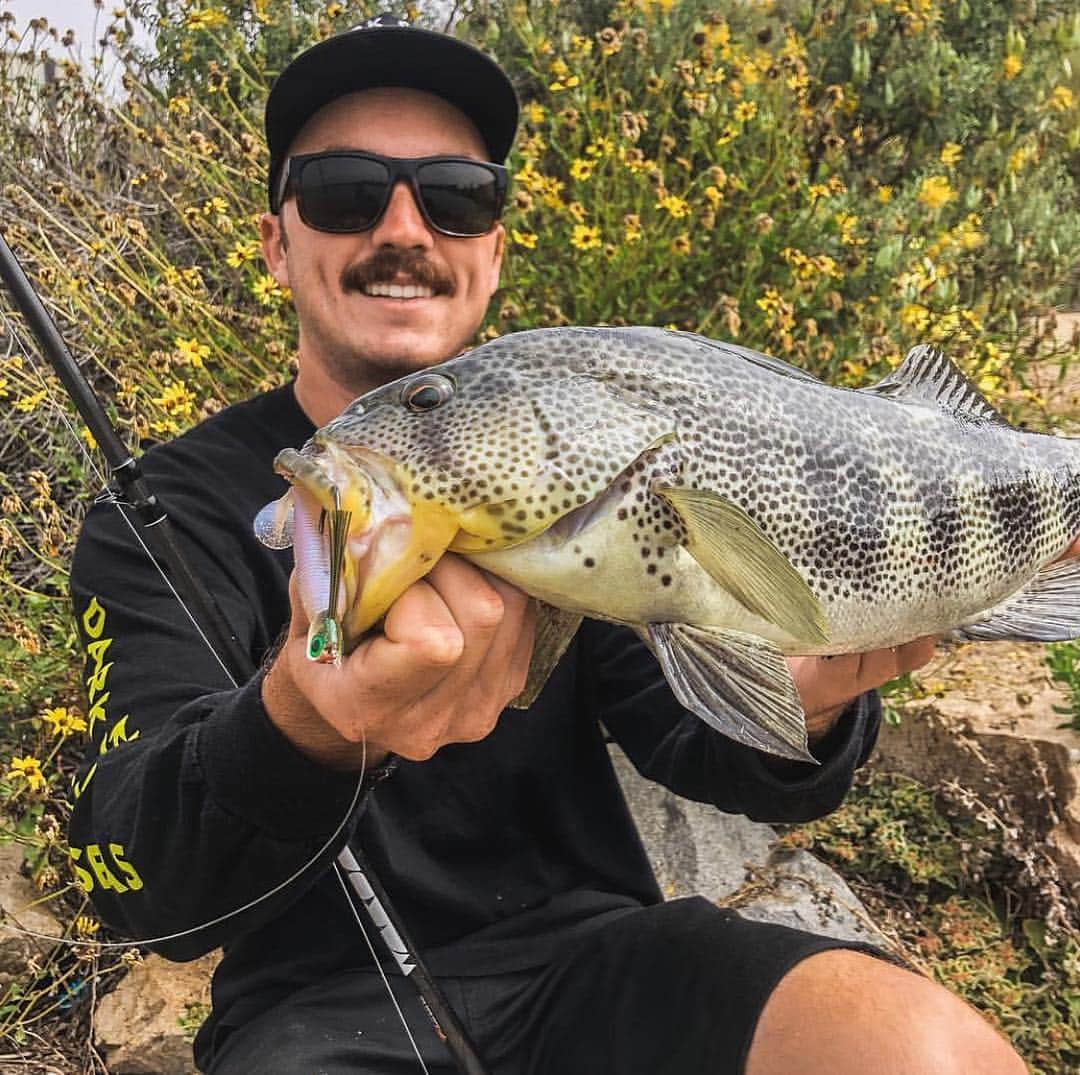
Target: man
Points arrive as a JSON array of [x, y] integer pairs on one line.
[[502, 837]]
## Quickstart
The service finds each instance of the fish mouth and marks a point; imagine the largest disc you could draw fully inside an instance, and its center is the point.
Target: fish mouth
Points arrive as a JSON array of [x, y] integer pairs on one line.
[[389, 538], [389, 533]]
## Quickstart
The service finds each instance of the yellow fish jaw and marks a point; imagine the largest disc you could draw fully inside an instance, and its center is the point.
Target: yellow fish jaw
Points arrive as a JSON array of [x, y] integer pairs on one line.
[[401, 553]]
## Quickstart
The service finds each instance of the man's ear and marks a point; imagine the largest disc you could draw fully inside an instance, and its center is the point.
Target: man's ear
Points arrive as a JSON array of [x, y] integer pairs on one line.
[[275, 244]]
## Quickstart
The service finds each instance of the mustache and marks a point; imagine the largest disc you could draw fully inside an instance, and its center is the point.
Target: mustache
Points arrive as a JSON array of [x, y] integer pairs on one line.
[[392, 266]]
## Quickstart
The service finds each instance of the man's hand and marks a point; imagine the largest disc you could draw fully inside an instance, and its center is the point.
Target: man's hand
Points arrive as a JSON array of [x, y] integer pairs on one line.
[[454, 650], [827, 685]]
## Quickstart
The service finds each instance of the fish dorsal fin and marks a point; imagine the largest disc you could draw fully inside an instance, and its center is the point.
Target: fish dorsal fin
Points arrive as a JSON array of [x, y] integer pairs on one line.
[[739, 555], [928, 378]]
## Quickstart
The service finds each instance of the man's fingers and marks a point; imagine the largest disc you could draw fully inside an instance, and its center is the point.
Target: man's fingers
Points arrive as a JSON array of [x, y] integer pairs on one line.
[[419, 645], [507, 660], [879, 666]]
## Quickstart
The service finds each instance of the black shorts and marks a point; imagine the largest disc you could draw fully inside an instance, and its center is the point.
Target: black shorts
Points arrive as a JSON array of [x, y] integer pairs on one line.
[[674, 989]]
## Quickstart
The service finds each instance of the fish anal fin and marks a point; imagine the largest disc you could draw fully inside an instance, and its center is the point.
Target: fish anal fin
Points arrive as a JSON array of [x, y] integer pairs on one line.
[[737, 683], [738, 554], [555, 630], [929, 378], [1047, 609]]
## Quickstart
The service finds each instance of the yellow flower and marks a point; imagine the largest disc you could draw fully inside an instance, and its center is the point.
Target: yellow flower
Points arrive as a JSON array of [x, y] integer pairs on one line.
[[681, 244], [1011, 66], [950, 154], [577, 211], [89, 438], [936, 191], [632, 223], [602, 147], [177, 399], [266, 290], [31, 402], [180, 105], [63, 721], [1061, 100], [1018, 158], [727, 134], [915, 316], [206, 19], [745, 110], [28, 769], [242, 252], [674, 205], [535, 113], [884, 193], [585, 237], [714, 196], [523, 238], [581, 169], [192, 352]]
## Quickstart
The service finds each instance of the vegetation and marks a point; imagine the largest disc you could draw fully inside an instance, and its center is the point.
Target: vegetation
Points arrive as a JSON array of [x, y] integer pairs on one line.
[[831, 182], [948, 878]]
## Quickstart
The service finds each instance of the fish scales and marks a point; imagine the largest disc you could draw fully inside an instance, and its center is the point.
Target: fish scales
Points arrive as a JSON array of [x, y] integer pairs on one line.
[[658, 479]]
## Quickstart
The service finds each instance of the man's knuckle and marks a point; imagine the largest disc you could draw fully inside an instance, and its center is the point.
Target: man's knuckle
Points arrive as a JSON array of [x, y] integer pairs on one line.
[[487, 611], [441, 647]]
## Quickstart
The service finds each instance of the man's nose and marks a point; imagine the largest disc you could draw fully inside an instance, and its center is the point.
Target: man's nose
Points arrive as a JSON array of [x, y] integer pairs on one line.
[[402, 223]]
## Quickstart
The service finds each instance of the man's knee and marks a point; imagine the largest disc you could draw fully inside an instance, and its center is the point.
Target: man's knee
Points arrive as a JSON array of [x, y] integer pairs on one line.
[[842, 1011]]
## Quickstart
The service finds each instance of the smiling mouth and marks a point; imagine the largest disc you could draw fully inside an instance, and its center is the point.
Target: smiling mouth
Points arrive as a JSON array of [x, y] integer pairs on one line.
[[398, 291]]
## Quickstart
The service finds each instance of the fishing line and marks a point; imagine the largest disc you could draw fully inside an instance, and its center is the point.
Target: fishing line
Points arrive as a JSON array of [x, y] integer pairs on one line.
[[92, 464]]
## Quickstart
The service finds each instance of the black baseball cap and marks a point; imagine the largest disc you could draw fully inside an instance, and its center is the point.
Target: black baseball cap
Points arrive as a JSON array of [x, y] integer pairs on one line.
[[388, 51]]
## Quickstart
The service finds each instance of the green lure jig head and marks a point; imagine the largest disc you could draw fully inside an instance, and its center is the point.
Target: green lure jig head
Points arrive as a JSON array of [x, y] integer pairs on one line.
[[324, 633]]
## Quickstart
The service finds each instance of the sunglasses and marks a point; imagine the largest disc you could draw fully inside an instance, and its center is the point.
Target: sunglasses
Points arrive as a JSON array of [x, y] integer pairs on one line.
[[349, 191]]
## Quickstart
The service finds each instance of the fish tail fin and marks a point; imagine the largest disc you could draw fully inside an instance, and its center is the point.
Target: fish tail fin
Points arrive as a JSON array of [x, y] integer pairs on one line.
[[737, 683]]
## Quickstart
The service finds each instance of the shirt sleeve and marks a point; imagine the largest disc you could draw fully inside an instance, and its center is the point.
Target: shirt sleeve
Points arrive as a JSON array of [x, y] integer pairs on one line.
[[190, 803], [672, 746]]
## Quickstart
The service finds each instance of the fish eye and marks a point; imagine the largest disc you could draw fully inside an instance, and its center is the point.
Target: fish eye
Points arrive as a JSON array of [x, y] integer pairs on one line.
[[427, 392]]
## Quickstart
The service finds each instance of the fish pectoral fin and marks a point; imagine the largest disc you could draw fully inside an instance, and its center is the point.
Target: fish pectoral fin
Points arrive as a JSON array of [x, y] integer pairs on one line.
[[273, 525], [738, 554], [737, 683], [1047, 609], [555, 630]]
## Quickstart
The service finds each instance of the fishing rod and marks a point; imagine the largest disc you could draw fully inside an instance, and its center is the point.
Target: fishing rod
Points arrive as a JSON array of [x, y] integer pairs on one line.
[[213, 627]]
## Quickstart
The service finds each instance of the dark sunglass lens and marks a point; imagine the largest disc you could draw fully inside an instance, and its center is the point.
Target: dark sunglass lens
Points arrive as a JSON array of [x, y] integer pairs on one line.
[[459, 197], [342, 193]]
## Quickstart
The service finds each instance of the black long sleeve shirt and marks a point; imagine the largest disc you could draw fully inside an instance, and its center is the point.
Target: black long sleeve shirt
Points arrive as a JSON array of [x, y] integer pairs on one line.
[[192, 804]]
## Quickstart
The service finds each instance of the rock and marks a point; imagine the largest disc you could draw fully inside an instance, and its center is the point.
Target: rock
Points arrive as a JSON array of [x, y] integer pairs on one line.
[[698, 850], [18, 897], [796, 889], [988, 723], [145, 1025]]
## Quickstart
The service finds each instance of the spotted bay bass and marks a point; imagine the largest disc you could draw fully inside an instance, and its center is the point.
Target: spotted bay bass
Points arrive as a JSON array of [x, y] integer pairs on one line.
[[731, 508]]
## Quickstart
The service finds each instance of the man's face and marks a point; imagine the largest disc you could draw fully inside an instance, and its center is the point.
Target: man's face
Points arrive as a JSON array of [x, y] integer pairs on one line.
[[351, 336]]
